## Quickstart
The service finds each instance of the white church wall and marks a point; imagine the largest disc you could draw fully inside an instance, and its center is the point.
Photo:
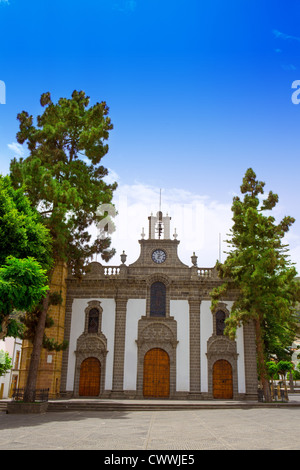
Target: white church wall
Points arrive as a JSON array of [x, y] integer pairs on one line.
[[77, 328], [179, 309], [10, 346], [206, 330], [136, 308]]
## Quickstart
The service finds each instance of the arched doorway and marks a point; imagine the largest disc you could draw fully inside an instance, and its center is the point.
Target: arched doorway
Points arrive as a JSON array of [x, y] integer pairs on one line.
[[89, 382], [156, 374], [222, 380]]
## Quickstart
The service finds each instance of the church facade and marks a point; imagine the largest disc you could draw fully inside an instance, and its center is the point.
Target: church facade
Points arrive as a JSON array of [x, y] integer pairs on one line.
[[146, 330]]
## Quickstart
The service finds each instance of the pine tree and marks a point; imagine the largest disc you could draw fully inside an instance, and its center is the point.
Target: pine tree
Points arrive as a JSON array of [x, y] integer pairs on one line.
[[63, 177], [258, 267]]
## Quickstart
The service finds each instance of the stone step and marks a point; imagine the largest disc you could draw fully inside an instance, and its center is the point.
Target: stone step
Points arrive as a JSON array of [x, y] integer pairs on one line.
[[171, 406], [127, 406], [3, 406]]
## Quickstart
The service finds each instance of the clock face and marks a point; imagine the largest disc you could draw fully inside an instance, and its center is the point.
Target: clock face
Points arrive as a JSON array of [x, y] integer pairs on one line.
[[159, 256]]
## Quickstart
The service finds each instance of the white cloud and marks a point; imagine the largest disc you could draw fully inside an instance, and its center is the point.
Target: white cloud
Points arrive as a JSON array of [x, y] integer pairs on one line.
[[280, 35], [112, 177], [125, 6], [198, 221], [17, 149]]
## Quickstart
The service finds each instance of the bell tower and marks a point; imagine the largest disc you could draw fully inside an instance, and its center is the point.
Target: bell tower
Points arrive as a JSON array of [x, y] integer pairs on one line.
[[159, 252], [159, 227]]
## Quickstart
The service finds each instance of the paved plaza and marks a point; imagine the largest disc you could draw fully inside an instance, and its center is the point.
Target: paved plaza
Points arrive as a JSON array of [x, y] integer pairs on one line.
[[206, 429]]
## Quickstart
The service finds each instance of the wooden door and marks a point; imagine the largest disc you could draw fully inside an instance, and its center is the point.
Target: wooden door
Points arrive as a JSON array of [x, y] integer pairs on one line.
[[89, 383], [156, 374], [222, 380], [13, 386]]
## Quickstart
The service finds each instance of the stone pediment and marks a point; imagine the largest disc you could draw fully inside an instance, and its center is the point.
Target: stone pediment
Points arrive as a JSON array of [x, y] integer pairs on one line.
[[94, 270], [169, 247], [93, 343], [157, 333], [221, 346]]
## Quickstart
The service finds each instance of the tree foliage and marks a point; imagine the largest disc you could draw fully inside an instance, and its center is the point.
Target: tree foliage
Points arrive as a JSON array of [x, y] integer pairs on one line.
[[64, 180], [259, 269], [25, 256], [5, 362], [63, 174]]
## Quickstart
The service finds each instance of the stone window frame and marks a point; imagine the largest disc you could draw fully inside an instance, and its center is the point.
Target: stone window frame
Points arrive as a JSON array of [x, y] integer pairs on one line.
[[162, 290], [221, 347], [164, 280], [223, 308], [93, 304], [92, 345]]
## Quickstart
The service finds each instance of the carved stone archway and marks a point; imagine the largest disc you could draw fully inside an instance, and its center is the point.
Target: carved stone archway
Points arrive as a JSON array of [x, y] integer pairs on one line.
[[91, 345], [218, 348], [160, 334]]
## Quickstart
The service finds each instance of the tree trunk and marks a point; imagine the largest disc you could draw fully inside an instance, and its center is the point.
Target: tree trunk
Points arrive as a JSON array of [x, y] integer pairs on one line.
[[29, 394], [4, 327], [291, 381], [261, 362]]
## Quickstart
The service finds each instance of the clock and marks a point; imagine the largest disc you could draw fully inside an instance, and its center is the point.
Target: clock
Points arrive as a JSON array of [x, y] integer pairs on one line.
[[159, 256]]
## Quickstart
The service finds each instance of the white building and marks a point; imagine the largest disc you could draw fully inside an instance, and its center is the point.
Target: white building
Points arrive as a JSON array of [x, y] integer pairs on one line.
[[146, 330], [10, 380]]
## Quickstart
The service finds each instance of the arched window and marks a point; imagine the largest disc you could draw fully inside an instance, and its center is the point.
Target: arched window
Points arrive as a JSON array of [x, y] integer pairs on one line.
[[220, 322], [93, 321], [158, 300]]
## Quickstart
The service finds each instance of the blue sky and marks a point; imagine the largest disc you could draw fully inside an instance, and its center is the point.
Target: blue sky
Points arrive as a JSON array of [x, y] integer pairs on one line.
[[198, 92]]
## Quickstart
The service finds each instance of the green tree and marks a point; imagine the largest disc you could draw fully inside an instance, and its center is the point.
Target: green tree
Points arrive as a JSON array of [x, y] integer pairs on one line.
[[259, 269], [283, 367], [25, 248], [272, 369], [5, 362], [63, 177]]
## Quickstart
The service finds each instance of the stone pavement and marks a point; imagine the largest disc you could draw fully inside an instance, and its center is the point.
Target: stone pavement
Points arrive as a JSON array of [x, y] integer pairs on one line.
[[259, 428]]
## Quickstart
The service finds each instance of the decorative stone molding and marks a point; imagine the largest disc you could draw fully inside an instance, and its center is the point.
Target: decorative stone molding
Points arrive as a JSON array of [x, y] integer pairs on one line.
[[91, 305], [221, 347], [91, 345], [158, 277], [220, 307], [156, 333]]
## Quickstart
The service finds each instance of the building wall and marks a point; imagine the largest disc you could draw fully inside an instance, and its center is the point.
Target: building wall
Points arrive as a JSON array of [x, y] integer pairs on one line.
[[129, 333], [13, 347], [135, 313], [50, 366], [77, 328], [179, 309], [135, 309]]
